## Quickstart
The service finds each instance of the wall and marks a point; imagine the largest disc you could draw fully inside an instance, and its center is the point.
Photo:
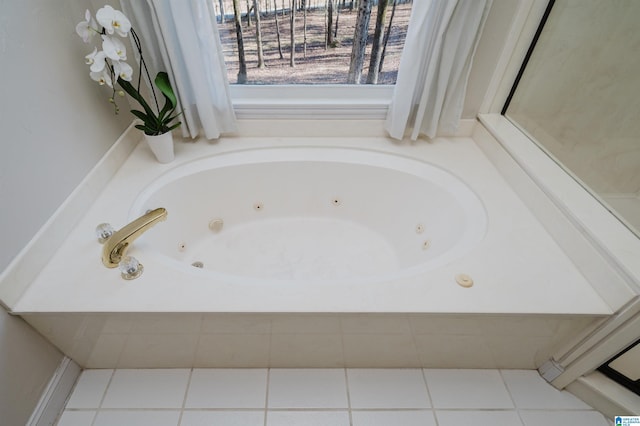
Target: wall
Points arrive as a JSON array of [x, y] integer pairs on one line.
[[490, 46], [56, 123]]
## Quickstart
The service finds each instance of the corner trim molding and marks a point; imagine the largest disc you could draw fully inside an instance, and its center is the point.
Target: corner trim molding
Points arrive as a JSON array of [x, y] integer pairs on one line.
[[55, 395], [605, 395]]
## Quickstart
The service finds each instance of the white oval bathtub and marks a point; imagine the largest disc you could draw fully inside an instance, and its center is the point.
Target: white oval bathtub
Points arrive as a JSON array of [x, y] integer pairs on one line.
[[311, 214]]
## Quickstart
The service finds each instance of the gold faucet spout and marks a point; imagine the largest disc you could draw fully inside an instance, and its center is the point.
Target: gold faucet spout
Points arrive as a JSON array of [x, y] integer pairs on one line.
[[116, 246]]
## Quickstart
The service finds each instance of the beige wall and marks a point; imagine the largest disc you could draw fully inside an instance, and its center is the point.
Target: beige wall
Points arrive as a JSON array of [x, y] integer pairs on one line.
[[27, 363], [56, 124]]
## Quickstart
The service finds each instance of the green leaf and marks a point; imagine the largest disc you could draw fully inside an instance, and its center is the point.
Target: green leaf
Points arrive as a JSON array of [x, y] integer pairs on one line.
[[141, 115], [163, 83], [133, 92]]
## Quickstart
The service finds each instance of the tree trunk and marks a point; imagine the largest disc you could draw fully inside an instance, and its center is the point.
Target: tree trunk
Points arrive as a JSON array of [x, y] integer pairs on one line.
[[256, 8], [335, 32], [242, 71], [376, 48], [386, 36], [221, 11], [329, 32], [304, 28], [359, 42], [278, 27], [248, 14], [292, 59]]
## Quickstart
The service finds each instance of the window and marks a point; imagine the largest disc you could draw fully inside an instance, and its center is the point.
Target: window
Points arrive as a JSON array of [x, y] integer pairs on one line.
[[323, 32]]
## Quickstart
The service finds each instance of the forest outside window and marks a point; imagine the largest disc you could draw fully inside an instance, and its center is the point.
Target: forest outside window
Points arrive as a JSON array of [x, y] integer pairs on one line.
[[312, 42]]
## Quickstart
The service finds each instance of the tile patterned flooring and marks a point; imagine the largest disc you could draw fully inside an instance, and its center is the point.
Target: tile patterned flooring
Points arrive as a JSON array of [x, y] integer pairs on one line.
[[322, 397]]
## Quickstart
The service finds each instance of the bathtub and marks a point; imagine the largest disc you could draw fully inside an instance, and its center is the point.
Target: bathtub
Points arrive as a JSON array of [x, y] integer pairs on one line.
[[311, 215], [304, 252]]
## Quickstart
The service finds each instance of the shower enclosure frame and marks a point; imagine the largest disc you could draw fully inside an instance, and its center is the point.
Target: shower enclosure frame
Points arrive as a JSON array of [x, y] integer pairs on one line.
[[570, 365]]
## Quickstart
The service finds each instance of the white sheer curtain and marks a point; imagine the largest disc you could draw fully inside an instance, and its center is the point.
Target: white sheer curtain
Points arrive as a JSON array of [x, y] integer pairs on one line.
[[434, 69], [181, 38]]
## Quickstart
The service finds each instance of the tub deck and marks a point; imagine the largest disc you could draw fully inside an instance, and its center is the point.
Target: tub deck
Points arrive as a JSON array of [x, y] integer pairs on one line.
[[516, 269]]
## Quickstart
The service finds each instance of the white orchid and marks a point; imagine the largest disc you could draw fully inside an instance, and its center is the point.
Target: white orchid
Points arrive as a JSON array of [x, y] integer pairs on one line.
[[113, 48], [113, 21], [108, 68], [102, 77], [96, 60], [91, 57], [88, 28], [122, 70]]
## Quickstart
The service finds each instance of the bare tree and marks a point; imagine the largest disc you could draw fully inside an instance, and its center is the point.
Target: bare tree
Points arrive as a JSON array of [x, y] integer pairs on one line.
[[376, 48], [304, 28], [359, 42], [248, 14], [242, 71], [292, 59], [329, 29], [221, 11], [256, 8], [387, 34], [335, 32], [278, 27]]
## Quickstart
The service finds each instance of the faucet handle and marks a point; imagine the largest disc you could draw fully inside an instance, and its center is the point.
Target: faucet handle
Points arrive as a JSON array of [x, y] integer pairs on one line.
[[104, 231], [130, 268]]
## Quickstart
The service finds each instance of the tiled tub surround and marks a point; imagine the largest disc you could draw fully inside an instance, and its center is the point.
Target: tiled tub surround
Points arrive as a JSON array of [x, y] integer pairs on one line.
[[315, 397], [308, 340], [527, 300]]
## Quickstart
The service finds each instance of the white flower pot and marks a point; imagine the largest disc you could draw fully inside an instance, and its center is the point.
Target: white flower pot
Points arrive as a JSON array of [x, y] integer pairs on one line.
[[161, 146]]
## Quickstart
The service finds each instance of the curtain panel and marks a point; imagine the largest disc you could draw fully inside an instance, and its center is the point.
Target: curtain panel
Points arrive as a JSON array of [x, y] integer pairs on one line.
[[181, 38], [435, 65]]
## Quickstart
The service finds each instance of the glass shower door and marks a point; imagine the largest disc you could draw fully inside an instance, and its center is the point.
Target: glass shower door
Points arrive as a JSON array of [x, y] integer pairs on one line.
[[579, 98]]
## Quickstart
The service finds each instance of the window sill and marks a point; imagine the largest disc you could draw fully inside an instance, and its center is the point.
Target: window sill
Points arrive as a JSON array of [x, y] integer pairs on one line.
[[329, 102]]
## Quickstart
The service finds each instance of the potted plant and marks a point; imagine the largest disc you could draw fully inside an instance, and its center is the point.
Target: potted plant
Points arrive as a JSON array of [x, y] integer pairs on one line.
[[109, 67]]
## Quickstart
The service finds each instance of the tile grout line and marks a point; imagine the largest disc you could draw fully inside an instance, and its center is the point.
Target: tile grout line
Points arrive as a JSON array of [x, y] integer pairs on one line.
[[513, 401], [346, 382], [269, 367], [104, 395], [426, 385], [266, 396], [186, 394]]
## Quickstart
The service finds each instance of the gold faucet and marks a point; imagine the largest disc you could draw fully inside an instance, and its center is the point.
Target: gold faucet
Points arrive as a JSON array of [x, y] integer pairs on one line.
[[116, 246]]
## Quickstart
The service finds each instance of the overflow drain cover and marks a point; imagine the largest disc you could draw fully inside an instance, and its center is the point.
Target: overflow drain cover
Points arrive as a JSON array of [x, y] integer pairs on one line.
[[464, 280]]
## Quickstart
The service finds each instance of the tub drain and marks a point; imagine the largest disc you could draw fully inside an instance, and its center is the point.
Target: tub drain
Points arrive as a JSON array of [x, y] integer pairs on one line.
[[198, 264]]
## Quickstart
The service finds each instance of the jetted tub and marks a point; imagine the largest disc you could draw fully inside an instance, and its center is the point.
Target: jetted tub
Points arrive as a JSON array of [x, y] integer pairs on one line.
[[308, 252], [311, 214]]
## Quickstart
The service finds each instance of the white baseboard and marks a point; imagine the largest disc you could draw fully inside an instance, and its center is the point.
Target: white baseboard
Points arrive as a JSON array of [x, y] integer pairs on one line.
[[55, 396]]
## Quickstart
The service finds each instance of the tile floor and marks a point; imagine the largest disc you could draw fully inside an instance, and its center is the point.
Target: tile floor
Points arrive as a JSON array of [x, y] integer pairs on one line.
[[322, 397]]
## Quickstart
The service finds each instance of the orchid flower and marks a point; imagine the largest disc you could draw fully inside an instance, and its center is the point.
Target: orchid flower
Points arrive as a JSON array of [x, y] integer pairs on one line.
[[99, 62], [96, 60], [113, 21], [102, 77], [114, 48], [122, 70], [91, 57], [88, 28], [109, 68]]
